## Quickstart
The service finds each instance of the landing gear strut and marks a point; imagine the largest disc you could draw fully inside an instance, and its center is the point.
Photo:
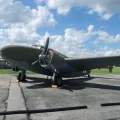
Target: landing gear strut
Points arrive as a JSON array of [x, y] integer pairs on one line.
[[57, 79], [88, 75], [21, 76]]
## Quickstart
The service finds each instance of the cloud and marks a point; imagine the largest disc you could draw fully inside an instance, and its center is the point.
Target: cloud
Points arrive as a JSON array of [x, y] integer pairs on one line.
[[41, 17], [112, 52], [14, 12], [19, 23], [40, 1], [105, 9], [72, 43], [105, 37], [101, 11], [18, 35], [90, 28]]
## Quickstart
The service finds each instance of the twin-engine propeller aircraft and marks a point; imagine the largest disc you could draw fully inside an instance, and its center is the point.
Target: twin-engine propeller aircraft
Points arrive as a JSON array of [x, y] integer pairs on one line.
[[43, 60]]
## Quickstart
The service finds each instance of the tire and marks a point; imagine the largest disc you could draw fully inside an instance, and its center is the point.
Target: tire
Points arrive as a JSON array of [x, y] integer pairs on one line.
[[20, 78], [24, 77], [57, 80]]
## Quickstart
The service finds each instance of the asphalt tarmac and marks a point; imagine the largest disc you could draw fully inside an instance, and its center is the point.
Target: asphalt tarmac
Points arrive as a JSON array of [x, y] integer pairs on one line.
[[36, 93]]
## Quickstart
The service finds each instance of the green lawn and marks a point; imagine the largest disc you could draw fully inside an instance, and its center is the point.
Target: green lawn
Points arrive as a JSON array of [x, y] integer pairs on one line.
[[9, 71], [116, 70]]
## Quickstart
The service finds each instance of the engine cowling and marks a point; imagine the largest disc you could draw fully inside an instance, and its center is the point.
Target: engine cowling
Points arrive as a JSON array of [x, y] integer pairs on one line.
[[44, 61]]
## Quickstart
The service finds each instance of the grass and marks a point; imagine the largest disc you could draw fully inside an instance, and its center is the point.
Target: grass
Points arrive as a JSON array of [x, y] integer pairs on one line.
[[116, 70], [9, 71]]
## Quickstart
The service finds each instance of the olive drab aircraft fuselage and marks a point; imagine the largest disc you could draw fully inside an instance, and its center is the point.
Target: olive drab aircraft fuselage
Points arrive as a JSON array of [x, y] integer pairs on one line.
[[43, 60]]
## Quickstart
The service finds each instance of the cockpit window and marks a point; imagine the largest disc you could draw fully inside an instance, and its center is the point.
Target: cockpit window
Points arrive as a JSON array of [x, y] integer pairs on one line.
[[38, 46], [41, 48]]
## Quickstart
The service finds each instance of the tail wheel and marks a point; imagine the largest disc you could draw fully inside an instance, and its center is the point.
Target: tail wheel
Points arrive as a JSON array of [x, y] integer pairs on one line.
[[57, 80]]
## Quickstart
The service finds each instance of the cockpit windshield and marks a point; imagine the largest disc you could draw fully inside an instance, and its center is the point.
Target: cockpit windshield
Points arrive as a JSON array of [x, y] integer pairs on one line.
[[38, 46]]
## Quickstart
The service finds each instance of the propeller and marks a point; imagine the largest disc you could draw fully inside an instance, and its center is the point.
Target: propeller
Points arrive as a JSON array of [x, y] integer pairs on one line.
[[35, 62], [43, 58], [46, 46]]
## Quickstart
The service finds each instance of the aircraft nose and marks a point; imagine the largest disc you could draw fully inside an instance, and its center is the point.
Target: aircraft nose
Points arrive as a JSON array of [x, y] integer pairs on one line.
[[4, 51]]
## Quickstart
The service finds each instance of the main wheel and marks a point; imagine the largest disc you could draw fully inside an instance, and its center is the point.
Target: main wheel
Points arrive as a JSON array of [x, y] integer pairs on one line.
[[57, 80], [21, 77]]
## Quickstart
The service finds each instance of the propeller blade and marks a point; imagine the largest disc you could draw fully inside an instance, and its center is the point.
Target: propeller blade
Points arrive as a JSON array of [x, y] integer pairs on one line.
[[46, 46], [35, 62]]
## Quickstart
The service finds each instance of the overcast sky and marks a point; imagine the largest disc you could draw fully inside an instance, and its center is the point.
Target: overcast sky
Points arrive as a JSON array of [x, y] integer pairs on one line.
[[76, 28]]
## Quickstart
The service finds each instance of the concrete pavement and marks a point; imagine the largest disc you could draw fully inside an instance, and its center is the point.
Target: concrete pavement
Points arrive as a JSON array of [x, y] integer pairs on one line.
[[36, 93]]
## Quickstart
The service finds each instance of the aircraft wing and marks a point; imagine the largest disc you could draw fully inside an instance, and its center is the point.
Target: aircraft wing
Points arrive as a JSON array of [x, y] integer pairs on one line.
[[93, 62]]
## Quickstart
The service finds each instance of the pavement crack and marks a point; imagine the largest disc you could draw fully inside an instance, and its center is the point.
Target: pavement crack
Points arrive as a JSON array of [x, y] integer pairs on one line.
[[6, 104], [28, 115], [15, 101]]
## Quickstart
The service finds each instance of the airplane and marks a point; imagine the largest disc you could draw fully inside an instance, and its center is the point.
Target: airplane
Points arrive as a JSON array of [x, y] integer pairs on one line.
[[43, 60]]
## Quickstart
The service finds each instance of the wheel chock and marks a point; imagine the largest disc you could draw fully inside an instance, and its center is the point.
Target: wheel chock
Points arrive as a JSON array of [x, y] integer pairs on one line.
[[54, 86], [17, 81]]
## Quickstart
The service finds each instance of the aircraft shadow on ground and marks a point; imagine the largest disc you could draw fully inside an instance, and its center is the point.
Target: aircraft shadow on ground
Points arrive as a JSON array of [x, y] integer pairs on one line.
[[38, 82], [44, 82], [69, 84], [104, 77], [91, 85]]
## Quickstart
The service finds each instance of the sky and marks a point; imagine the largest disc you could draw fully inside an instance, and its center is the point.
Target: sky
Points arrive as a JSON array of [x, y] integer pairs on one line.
[[77, 28]]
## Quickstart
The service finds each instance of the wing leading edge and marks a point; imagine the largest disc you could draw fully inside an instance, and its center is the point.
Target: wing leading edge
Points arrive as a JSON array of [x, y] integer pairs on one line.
[[93, 62]]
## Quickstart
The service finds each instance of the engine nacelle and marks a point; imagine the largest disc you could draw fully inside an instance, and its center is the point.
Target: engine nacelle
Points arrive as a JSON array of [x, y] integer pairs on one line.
[[53, 58]]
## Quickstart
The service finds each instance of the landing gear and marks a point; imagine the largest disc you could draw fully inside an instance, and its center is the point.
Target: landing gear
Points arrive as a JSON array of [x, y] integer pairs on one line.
[[88, 75], [21, 76], [57, 79]]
